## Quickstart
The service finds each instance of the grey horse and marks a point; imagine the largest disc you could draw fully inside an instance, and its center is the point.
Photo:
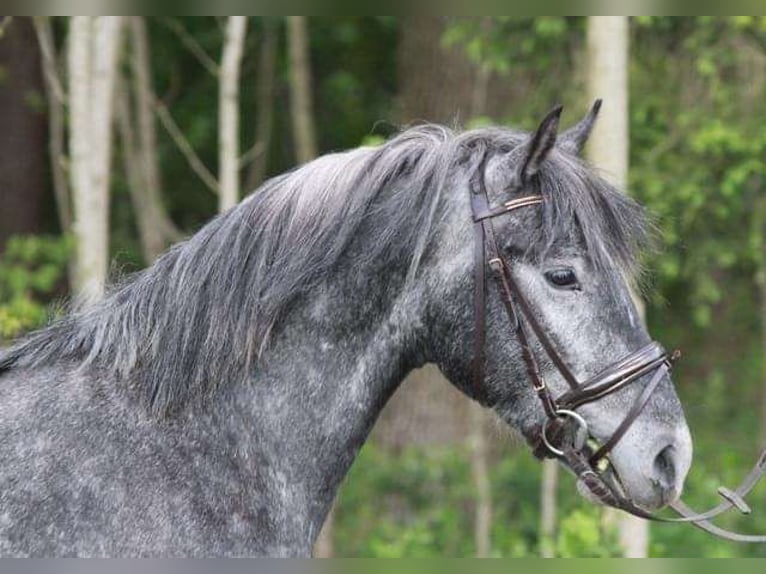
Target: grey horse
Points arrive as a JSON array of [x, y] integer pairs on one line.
[[212, 404]]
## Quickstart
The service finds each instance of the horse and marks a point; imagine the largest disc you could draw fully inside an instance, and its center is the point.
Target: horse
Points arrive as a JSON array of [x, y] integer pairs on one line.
[[212, 404]]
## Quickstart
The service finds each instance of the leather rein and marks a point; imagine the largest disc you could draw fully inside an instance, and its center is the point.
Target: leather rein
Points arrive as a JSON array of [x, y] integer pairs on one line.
[[564, 434]]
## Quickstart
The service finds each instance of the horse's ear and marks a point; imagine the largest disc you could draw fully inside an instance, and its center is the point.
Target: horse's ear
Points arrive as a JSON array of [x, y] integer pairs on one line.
[[573, 140], [539, 146]]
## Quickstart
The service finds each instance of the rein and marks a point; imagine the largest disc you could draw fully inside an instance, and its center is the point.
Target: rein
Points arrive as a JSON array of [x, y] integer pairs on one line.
[[564, 434]]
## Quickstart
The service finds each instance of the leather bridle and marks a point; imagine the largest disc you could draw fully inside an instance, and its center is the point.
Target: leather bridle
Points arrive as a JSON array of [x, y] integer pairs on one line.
[[564, 433]]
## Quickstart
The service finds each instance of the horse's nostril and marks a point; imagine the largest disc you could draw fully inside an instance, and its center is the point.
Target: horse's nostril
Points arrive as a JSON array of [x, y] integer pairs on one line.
[[665, 468]]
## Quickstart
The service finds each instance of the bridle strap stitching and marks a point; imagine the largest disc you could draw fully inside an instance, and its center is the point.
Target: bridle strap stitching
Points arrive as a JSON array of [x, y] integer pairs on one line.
[[616, 381], [634, 360], [507, 207]]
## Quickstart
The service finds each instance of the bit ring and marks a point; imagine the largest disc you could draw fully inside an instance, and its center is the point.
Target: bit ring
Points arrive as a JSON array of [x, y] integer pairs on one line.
[[562, 413]]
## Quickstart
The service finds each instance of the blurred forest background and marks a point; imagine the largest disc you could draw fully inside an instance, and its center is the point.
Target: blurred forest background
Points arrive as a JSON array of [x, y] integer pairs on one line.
[[121, 135]]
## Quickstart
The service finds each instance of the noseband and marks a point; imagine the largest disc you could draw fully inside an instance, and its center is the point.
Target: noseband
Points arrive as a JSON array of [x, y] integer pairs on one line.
[[564, 433]]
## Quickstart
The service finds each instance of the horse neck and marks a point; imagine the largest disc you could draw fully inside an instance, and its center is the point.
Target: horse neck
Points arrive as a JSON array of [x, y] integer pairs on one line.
[[321, 384]]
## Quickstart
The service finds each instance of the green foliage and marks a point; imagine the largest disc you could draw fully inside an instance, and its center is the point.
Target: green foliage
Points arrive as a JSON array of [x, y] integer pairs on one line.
[[31, 268], [700, 167], [505, 43], [582, 535], [414, 505], [420, 503]]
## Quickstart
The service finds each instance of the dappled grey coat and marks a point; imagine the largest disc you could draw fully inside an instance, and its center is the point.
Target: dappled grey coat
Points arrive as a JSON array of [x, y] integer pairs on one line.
[[212, 404]]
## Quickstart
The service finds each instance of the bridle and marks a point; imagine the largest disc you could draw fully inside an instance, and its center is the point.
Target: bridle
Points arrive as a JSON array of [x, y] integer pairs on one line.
[[564, 433]]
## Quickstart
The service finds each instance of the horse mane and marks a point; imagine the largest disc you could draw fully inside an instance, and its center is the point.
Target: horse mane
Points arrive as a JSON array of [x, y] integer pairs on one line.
[[203, 313]]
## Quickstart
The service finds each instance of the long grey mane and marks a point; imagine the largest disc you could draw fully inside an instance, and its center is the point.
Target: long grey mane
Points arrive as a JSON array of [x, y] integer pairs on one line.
[[203, 313]]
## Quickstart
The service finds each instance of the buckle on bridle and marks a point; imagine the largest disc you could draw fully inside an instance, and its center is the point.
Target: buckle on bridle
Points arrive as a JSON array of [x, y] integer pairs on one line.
[[601, 464]]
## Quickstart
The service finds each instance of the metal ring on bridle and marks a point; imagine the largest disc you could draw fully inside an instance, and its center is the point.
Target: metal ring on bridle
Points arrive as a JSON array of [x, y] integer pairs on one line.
[[562, 413]]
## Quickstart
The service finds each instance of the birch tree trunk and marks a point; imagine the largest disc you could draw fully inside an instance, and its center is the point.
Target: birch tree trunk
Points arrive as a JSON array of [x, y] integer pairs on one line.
[[301, 89], [92, 63], [87, 263], [479, 448], [608, 54], [156, 230], [131, 163], [548, 504], [324, 547], [477, 416], [228, 118], [608, 78], [55, 97], [759, 231], [265, 106]]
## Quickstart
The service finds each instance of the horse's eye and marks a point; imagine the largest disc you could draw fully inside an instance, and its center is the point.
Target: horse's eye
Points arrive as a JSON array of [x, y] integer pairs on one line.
[[563, 278]]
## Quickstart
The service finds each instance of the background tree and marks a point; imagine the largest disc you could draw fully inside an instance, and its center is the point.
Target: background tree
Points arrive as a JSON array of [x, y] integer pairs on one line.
[[228, 118], [56, 100], [265, 86], [23, 143], [93, 53], [135, 113], [608, 62], [301, 103]]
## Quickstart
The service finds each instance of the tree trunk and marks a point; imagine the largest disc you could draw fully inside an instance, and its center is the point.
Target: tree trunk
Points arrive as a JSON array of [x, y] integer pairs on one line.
[[23, 135], [228, 143], [436, 84], [608, 54], [608, 79], [758, 238], [90, 260], [131, 164], [548, 504], [147, 213], [156, 230], [105, 49], [479, 450], [54, 93], [301, 89], [92, 62], [324, 547], [478, 441], [760, 233], [265, 106]]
